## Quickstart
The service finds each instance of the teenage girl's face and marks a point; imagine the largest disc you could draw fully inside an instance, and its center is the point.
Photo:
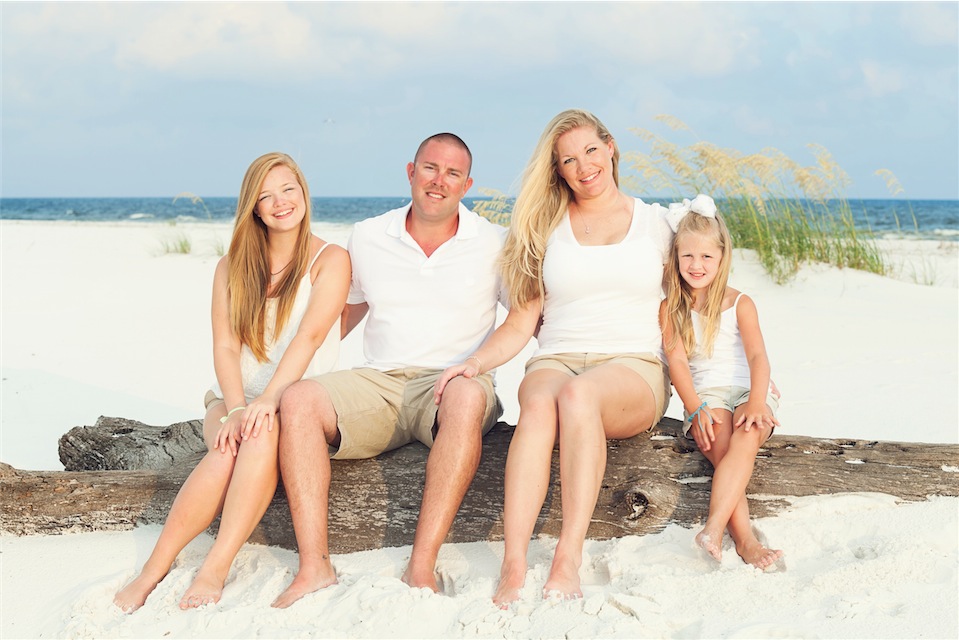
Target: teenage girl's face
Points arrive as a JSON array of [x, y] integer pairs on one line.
[[699, 260], [585, 162], [281, 204]]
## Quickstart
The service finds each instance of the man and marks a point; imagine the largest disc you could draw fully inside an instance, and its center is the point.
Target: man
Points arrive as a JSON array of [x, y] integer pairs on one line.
[[426, 275]]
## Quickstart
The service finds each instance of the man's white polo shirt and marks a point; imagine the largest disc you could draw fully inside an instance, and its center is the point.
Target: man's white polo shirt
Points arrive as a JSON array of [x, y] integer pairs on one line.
[[425, 311]]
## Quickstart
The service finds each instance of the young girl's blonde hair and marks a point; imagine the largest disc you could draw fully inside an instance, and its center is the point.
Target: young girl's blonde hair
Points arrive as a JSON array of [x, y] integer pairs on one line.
[[248, 282], [542, 201], [679, 298]]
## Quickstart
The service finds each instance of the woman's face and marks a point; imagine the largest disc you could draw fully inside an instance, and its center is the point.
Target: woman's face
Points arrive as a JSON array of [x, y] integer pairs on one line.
[[585, 162], [281, 204]]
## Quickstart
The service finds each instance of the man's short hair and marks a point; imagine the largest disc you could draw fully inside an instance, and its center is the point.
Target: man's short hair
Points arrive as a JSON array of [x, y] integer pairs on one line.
[[448, 138]]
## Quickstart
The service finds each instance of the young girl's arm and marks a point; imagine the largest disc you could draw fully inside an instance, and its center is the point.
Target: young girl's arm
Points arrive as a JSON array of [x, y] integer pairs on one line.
[[331, 284], [226, 358], [755, 412], [682, 380], [508, 340]]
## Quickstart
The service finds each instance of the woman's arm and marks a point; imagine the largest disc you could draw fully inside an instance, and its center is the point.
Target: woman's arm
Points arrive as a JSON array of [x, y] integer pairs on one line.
[[327, 299], [756, 412], [501, 347]]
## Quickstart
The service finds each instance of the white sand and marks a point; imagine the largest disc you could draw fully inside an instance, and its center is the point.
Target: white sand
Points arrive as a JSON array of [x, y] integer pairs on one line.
[[97, 321]]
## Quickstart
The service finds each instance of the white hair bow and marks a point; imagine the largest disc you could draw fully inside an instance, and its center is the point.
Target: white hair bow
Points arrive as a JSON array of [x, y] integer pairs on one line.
[[701, 204]]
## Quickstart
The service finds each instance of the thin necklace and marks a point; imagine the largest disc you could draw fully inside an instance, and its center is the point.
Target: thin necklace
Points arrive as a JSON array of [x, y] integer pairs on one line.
[[583, 218], [283, 269]]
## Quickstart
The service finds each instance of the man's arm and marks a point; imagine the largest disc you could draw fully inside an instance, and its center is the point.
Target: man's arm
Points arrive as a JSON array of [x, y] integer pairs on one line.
[[351, 316]]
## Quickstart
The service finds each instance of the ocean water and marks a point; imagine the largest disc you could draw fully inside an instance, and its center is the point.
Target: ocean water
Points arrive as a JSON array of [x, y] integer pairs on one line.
[[938, 219]]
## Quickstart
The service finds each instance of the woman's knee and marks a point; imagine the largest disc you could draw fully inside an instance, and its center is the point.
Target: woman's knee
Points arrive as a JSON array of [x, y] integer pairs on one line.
[[578, 396]]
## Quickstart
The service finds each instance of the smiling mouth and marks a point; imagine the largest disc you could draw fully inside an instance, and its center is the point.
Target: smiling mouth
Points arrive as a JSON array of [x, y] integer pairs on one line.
[[435, 196], [283, 214], [589, 179]]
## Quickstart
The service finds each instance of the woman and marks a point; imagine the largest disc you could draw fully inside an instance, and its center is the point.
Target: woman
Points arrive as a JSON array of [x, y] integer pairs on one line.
[[277, 299], [586, 260]]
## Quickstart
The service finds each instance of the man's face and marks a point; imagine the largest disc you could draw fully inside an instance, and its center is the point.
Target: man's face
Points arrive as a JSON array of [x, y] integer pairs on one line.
[[439, 178]]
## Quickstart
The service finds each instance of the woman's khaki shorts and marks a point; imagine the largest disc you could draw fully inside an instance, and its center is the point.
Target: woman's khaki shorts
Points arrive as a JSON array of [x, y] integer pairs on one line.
[[649, 367], [378, 411]]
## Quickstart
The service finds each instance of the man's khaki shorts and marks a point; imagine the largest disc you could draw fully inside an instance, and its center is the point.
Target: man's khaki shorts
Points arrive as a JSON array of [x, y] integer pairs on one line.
[[647, 365], [378, 411]]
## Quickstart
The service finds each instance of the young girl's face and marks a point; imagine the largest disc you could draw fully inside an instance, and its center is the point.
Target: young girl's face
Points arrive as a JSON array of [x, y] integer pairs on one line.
[[699, 260]]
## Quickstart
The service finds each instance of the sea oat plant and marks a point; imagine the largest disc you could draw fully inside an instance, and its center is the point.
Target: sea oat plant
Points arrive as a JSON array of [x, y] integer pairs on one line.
[[178, 243], [497, 207], [788, 213]]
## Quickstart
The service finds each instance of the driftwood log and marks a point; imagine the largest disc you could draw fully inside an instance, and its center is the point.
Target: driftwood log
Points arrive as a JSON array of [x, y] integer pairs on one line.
[[120, 473]]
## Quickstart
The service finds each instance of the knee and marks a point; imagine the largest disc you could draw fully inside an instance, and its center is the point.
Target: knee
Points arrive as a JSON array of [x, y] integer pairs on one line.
[[264, 444], [302, 407], [576, 397], [752, 439], [222, 462], [464, 394]]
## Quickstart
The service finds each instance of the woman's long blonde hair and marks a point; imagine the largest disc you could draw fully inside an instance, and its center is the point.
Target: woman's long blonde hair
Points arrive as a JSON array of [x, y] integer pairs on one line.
[[542, 201], [679, 297], [248, 283]]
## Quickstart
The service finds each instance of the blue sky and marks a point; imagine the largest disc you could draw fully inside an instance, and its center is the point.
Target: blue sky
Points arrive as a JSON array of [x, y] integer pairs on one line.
[[153, 99]]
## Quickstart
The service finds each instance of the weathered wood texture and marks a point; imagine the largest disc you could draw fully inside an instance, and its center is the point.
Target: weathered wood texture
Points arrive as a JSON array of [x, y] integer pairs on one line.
[[651, 480]]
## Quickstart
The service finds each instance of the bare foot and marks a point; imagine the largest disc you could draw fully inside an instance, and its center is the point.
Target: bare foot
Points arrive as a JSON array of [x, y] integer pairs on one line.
[[511, 580], [754, 553], [563, 579], [134, 595], [711, 544], [306, 582], [420, 578], [206, 589]]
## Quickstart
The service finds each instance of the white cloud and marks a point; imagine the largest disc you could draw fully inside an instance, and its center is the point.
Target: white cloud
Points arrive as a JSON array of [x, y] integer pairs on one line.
[[931, 23], [371, 40], [237, 35]]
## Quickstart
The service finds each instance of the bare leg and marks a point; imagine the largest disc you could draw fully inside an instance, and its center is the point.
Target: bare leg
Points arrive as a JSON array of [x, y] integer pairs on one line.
[[728, 506], [527, 475], [196, 505], [450, 468], [710, 538], [309, 425], [249, 494], [609, 401]]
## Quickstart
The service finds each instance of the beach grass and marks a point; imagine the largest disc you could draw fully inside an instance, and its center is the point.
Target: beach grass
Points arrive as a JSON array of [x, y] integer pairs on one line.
[[497, 208], [788, 213], [178, 243], [195, 199]]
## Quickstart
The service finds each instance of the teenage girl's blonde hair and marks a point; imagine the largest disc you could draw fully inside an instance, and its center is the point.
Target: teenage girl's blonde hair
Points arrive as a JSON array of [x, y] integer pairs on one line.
[[542, 201], [679, 298], [248, 281]]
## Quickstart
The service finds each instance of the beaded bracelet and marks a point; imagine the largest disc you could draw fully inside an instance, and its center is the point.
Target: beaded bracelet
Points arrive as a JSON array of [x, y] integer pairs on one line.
[[232, 411], [479, 368], [695, 413]]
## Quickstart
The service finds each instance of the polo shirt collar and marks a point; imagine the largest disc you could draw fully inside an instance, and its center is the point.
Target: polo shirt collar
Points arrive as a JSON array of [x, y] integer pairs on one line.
[[467, 227]]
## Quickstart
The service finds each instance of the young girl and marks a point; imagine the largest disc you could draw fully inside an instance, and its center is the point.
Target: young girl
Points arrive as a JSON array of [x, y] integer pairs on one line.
[[717, 362], [277, 299]]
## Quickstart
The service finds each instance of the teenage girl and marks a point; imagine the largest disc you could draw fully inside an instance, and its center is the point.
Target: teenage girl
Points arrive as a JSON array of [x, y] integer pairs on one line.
[[277, 299], [718, 365]]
